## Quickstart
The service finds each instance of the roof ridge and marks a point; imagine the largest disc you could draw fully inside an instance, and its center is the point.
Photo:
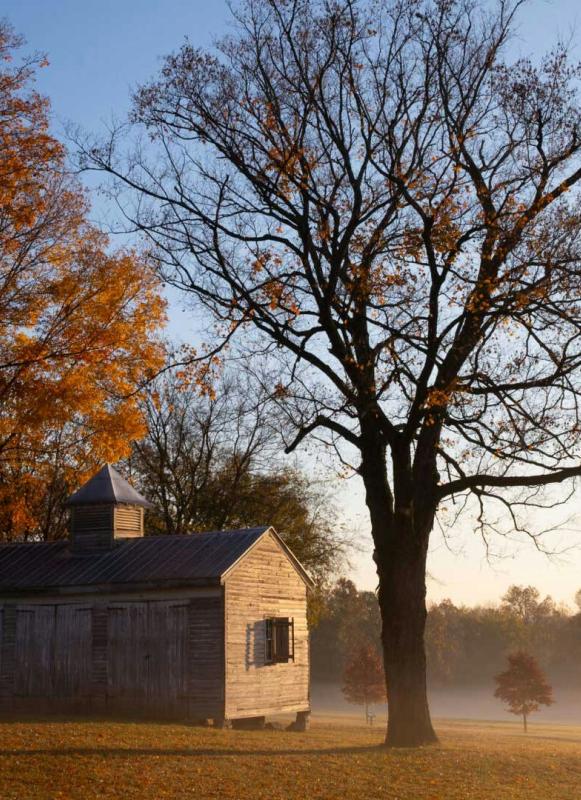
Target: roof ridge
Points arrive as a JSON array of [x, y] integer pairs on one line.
[[112, 473], [66, 541], [29, 543], [254, 528]]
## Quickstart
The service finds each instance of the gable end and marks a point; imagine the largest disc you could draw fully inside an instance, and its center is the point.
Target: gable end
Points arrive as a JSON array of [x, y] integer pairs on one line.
[[271, 533]]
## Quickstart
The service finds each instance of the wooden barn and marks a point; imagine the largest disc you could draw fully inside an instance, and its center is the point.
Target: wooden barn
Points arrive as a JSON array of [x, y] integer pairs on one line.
[[199, 626]]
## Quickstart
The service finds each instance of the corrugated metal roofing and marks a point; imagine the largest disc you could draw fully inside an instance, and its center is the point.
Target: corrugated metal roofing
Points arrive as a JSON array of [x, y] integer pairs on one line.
[[107, 486], [198, 558]]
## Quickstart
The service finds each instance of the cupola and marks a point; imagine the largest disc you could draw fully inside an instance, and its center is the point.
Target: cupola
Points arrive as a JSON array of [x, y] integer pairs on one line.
[[103, 510]]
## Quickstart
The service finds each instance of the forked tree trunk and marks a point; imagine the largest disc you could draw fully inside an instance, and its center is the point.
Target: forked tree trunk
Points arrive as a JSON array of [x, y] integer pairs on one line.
[[400, 555]]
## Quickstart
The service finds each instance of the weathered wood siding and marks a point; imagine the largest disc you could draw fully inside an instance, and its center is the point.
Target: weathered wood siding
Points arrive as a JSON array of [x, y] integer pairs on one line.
[[155, 657], [264, 584]]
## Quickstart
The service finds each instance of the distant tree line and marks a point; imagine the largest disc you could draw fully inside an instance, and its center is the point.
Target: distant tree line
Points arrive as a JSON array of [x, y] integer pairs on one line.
[[465, 645]]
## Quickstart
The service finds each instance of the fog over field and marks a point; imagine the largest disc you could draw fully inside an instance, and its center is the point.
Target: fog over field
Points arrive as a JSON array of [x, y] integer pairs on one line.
[[474, 703]]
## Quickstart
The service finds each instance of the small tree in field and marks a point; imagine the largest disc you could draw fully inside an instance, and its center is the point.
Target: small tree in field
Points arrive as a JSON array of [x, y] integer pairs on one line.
[[523, 686], [363, 678]]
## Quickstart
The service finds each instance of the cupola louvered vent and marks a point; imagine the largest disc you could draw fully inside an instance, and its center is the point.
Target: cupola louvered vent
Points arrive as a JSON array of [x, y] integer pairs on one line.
[[91, 527], [128, 521], [106, 508]]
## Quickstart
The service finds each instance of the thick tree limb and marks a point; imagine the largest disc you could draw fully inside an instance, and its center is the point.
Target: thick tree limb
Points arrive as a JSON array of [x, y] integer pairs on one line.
[[323, 422], [507, 481]]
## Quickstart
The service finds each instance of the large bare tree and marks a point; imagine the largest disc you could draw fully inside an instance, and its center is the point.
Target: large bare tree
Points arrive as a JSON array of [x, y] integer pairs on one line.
[[387, 210]]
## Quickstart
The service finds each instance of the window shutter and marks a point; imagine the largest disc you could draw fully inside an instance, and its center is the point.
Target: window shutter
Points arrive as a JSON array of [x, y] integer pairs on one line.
[[269, 641], [282, 648]]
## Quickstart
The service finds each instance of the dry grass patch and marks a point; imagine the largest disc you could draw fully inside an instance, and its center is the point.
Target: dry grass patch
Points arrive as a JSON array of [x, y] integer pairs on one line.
[[56, 760]]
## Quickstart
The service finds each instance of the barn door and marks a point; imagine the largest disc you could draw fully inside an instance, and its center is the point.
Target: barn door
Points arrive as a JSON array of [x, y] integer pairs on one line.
[[34, 652], [72, 651], [53, 650], [147, 651], [168, 663], [128, 650]]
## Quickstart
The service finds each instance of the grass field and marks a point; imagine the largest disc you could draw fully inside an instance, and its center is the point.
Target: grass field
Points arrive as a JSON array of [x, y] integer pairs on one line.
[[336, 759]]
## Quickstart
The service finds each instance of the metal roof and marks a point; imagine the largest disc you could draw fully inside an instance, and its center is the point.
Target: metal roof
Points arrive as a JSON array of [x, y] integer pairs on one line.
[[107, 486], [196, 559]]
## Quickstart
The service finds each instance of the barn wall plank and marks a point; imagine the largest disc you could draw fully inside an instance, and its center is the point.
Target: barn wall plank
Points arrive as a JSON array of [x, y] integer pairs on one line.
[[167, 661], [99, 649], [35, 626], [127, 650]]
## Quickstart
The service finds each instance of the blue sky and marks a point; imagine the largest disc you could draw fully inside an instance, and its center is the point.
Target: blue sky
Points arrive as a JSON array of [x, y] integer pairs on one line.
[[100, 50]]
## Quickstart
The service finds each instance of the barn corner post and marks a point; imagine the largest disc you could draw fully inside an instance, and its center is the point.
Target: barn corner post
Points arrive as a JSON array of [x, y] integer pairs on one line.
[[303, 721]]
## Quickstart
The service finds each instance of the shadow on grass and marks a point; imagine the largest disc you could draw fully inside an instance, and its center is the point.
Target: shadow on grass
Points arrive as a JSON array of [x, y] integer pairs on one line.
[[130, 752]]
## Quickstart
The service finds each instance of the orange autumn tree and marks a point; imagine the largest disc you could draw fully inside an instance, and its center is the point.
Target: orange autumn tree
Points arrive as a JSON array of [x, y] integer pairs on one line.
[[78, 322], [523, 686], [363, 678]]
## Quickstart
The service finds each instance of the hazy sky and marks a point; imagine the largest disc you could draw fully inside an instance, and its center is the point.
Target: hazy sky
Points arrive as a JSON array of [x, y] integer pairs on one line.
[[99, 50]]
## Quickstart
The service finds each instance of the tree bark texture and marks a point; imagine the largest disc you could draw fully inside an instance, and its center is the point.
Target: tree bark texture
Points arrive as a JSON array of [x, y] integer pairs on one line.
[[401, 536]]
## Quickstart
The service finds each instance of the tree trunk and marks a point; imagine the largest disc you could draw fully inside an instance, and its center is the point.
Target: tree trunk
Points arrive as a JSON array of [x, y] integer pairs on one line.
[[400, 534], [524, 722], [402, 601]]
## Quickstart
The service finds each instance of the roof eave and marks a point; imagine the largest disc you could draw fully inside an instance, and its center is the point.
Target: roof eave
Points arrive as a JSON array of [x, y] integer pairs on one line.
[[109, 588]]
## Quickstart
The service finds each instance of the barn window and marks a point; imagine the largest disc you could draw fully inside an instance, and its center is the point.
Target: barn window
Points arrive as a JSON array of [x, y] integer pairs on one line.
[[280, 640]]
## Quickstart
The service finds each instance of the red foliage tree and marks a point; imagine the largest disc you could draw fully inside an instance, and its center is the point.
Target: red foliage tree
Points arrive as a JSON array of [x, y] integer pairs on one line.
[[363, 678], [523, 686]]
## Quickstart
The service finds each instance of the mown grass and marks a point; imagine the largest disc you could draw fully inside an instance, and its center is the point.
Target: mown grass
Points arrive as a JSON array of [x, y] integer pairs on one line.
[[65, 760]]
